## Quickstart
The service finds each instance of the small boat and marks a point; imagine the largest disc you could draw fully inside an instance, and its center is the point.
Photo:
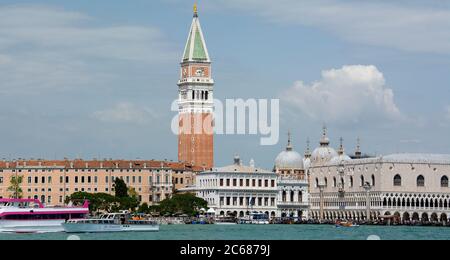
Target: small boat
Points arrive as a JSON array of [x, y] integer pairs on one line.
[[345, 224], [255, 218], [112, 222], [225, 221], [26, 216]]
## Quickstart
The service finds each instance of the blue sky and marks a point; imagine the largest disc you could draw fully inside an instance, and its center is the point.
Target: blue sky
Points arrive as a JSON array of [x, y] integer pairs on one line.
[[95, 79]]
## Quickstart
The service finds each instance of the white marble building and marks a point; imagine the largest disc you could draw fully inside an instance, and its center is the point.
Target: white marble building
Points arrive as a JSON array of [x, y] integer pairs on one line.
[[239, 190], [292, 182], [405, 187]]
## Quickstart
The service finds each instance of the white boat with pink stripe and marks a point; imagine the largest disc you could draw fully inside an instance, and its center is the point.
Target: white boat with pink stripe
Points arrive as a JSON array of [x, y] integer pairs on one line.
[[31, 216]]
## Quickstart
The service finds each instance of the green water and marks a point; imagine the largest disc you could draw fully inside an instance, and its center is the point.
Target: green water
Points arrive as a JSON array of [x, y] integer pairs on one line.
[[255, 232]]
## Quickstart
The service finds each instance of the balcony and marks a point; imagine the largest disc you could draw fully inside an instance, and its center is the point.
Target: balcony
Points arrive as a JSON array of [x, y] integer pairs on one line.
[[292, 204]]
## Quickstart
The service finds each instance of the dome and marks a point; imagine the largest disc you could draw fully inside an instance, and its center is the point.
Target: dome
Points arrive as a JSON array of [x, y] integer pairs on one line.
[[340, 158], [289, 159], [341, 154], [324, 153]]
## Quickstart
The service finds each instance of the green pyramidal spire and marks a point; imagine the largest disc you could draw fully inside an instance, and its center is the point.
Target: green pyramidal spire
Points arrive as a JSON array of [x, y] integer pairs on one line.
[[196, 47]]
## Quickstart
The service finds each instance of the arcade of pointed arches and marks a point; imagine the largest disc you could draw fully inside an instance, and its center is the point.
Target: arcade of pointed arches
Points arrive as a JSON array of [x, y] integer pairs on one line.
[[402, 206]]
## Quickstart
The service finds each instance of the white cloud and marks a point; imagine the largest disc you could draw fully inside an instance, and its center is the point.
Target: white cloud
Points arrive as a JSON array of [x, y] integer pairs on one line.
[[405, 25], [126, 112], [350, 94], [46, 48]]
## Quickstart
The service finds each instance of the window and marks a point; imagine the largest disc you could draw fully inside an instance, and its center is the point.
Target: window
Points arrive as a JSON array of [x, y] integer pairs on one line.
[[1, 179], [266, 183], [247, 182], [221, 182], [444, 182], [420, 181], [36, 180], [351, 181], [373, 180], [273, 183], [49, 179], [30, 180], [253, 183], [76, 179], [259, 183], [43, 180], [362, 181], [234, 182], [89, 179], [334, 182], [61, 179], [397, 180], [67, 179]]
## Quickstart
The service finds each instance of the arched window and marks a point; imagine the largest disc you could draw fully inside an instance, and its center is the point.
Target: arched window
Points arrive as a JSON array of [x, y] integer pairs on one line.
[[317, 183], [444, 182], [373, 180], [334, 182], [397, 180], [207, 95], [351, 181], [326, 182], [420, 181], [342, 182], [362, 181]]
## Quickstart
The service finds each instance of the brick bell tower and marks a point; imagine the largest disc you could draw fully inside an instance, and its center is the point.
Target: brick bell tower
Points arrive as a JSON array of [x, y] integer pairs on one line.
[[196, 102]]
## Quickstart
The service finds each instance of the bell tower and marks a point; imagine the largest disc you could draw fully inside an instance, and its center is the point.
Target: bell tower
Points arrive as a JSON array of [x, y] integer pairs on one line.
[[196, 101]]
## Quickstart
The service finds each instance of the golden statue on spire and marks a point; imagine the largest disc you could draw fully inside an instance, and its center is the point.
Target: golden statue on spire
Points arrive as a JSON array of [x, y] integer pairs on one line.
[[195, 9]]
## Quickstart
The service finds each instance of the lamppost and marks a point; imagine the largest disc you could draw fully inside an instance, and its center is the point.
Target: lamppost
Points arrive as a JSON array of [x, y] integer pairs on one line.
[[368, 188]]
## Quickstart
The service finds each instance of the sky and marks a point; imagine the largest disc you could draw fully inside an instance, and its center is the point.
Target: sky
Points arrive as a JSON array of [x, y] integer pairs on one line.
[[96, 79]]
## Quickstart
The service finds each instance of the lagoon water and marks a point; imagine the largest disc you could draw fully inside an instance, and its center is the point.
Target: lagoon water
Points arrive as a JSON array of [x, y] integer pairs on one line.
[[256, 232]]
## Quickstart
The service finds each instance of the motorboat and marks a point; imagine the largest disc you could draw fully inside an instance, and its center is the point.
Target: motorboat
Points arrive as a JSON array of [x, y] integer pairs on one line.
[[225, 221], [112, 222]]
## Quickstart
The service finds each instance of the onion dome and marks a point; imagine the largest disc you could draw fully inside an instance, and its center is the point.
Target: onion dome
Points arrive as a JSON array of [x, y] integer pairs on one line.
[[289, 159], [324, 153]]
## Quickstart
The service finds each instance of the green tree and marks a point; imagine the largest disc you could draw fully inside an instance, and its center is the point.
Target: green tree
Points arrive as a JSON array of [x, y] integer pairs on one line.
[[182, 204], [97, 202], [120, 188], [144, 208], [15, 187]]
